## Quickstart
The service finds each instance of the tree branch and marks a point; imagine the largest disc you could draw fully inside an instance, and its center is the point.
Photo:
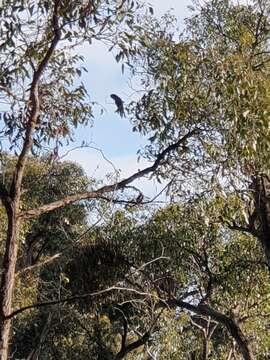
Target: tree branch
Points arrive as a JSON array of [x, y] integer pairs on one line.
[[134, 345], [95, 194], [229, 323], [73, 298], [35, 107], [125, 331], [38, 265], [34, 355]]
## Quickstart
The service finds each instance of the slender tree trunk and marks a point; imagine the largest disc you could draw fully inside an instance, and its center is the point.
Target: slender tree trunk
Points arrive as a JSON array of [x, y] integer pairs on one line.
[[8, 280], [261, 189], [34, 355], [11, 198], [205, 347]]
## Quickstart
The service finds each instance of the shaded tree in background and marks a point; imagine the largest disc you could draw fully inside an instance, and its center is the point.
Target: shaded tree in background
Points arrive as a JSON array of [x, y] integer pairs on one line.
[[215, 78]]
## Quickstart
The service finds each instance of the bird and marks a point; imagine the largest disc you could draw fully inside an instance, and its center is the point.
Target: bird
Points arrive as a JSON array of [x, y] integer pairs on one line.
[[139, 198], [119, 104]]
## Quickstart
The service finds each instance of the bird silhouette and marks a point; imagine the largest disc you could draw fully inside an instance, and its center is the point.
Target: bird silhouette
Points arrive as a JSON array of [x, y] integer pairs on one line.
[[119, 104]]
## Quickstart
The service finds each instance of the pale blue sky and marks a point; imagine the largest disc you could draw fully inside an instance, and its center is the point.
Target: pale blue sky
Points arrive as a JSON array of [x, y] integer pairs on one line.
[[111, 133], [104, 78]]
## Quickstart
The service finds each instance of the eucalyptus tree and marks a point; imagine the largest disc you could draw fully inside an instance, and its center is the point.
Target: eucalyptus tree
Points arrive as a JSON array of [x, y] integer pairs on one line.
[[214, 77], [43, 103], [206, 285], [173, 286], [206, 99]]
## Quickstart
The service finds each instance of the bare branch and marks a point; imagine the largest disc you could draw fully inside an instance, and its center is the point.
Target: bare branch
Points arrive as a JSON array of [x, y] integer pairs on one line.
[[81, 296], [73, 298], [39, 265], [95, 194]]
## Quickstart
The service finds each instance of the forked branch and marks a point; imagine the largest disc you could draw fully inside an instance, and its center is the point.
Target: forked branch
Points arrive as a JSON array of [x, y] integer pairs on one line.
[[95, 194]]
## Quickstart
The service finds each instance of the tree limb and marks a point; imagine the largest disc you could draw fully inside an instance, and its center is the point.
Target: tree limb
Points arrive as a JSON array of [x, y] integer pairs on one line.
[[34, 355], [95, 194], [38, 265], [35, 107], [73, 298], [229, 323], [134, 345]]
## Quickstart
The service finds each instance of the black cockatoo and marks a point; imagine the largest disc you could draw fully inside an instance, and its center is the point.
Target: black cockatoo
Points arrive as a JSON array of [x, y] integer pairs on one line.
[[119, 104]]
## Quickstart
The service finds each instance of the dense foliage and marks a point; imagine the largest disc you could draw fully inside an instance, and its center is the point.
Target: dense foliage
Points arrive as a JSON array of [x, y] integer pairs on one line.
[[91, 269]]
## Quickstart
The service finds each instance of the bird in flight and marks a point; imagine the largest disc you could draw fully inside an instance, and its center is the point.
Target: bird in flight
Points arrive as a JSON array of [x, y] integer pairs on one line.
[[119, 104]]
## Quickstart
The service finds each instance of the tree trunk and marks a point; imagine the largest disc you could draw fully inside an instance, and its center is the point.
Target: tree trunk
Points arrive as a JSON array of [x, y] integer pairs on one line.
[[205, 349], [8, 281], [261, 189], [34, 355]]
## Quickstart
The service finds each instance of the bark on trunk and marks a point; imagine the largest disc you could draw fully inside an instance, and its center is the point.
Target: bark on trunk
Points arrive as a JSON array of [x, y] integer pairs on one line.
[[205, 348], [261, 188], [8, 281], [11, 198]]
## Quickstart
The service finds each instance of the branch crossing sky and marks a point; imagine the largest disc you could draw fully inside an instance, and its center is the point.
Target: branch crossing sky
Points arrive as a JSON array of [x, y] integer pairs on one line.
[[111, 133]]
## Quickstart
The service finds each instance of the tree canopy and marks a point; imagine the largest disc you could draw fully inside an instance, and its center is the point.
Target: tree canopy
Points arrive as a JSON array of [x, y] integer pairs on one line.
[[94, 269]]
